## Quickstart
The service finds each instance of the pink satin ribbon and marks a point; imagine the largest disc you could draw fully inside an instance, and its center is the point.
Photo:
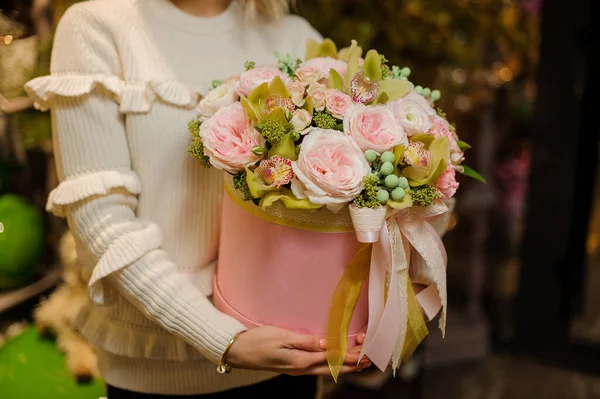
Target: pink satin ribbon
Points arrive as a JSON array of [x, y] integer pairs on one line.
[[386, 319]]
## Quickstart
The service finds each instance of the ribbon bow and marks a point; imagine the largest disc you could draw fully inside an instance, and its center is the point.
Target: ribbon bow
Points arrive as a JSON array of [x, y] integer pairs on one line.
[[396, 325]]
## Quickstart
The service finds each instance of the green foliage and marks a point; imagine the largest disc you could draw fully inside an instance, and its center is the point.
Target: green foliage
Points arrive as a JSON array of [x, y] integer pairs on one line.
[[273, 130], [194, 127], [196, 149], [424, 195], [473, 174], [325, 120], [249, 65], [385, 69], [240, 183], [287, 64], [368, 197]]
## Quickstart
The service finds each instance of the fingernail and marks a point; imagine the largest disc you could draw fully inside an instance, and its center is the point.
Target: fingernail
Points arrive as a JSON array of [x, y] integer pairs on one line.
[[323, 343], [362, 334]]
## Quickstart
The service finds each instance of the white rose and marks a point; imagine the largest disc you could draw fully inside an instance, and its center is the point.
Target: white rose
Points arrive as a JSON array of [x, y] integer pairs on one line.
[[422, 102], [410, 115], [297, 91], [300, 119], [222, 96], [318, 94]]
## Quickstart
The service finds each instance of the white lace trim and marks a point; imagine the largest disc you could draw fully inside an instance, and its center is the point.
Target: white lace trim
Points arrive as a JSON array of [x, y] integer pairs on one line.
[[79, 188], [133, 97]]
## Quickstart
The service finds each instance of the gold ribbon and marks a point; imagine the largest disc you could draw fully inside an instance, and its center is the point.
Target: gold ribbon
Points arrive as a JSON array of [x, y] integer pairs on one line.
[[342, 307], [338, 225], [416, 330]]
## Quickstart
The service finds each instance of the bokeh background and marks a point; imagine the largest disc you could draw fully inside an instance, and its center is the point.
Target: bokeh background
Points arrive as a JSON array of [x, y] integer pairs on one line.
[[519, 78]]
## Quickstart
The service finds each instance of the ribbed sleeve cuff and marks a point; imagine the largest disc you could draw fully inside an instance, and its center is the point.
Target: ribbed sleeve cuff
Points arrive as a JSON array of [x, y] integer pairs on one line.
[[154, 285]]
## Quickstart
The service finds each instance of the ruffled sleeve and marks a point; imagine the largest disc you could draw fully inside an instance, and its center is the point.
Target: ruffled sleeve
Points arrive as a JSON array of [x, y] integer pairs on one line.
[[98, 189]]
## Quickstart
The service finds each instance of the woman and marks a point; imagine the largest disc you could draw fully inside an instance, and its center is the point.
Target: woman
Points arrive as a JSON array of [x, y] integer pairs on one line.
[[126, 77]]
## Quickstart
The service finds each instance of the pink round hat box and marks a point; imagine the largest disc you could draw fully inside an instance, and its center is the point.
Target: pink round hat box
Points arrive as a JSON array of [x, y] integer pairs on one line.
[[269, 274]]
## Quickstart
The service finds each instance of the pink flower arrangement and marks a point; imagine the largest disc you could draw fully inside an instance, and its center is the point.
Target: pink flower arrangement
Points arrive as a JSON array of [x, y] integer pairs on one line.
[[330, 131]]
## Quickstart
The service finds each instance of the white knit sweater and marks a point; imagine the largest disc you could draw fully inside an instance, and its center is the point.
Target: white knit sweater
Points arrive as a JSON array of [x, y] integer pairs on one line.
[[126, 77]]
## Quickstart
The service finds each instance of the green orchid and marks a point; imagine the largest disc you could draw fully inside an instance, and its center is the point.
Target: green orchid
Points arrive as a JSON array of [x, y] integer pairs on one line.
[[285, 148], [271, 94], [325, 49], [439, 149]]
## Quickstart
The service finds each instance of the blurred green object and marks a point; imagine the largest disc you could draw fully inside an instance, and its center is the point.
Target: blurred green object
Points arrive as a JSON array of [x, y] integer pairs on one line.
[[21, 241], [32, 367]]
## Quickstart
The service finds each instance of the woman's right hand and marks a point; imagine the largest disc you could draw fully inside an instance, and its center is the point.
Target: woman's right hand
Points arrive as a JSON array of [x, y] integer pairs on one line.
[[282, 351]]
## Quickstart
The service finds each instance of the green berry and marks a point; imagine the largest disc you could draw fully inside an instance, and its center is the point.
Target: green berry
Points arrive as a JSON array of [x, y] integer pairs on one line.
[[387, 168], [405, 71], [403, 182], [391, 181], [371, 156], [398, 194], [426, 91], [419, 90], [383, 196], [388, 156], [436, 95]]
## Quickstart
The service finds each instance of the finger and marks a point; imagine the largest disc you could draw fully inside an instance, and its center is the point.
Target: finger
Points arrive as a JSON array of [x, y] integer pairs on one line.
[[307, 343], [299, 359], [360, 337]]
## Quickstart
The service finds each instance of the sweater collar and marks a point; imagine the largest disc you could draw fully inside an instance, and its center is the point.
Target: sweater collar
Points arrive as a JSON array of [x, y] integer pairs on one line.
[[168, 12]]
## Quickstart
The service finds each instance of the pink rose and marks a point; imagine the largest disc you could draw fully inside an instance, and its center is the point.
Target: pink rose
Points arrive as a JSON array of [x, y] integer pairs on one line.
[[318, 94], [337, 103], [413, 118], [373, 127], [229, 138], [422, 102], [308, 75], [330, 169], [254, 77], [297, 91], [447, 183], [325, 64], [441, 128], [216, 99]]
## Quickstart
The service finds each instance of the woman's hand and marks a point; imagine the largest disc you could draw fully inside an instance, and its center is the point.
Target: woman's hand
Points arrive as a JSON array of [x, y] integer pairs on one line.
[[282, 351]]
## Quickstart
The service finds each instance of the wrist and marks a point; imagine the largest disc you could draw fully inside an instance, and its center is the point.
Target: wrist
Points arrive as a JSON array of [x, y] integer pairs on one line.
[[223, 367]]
